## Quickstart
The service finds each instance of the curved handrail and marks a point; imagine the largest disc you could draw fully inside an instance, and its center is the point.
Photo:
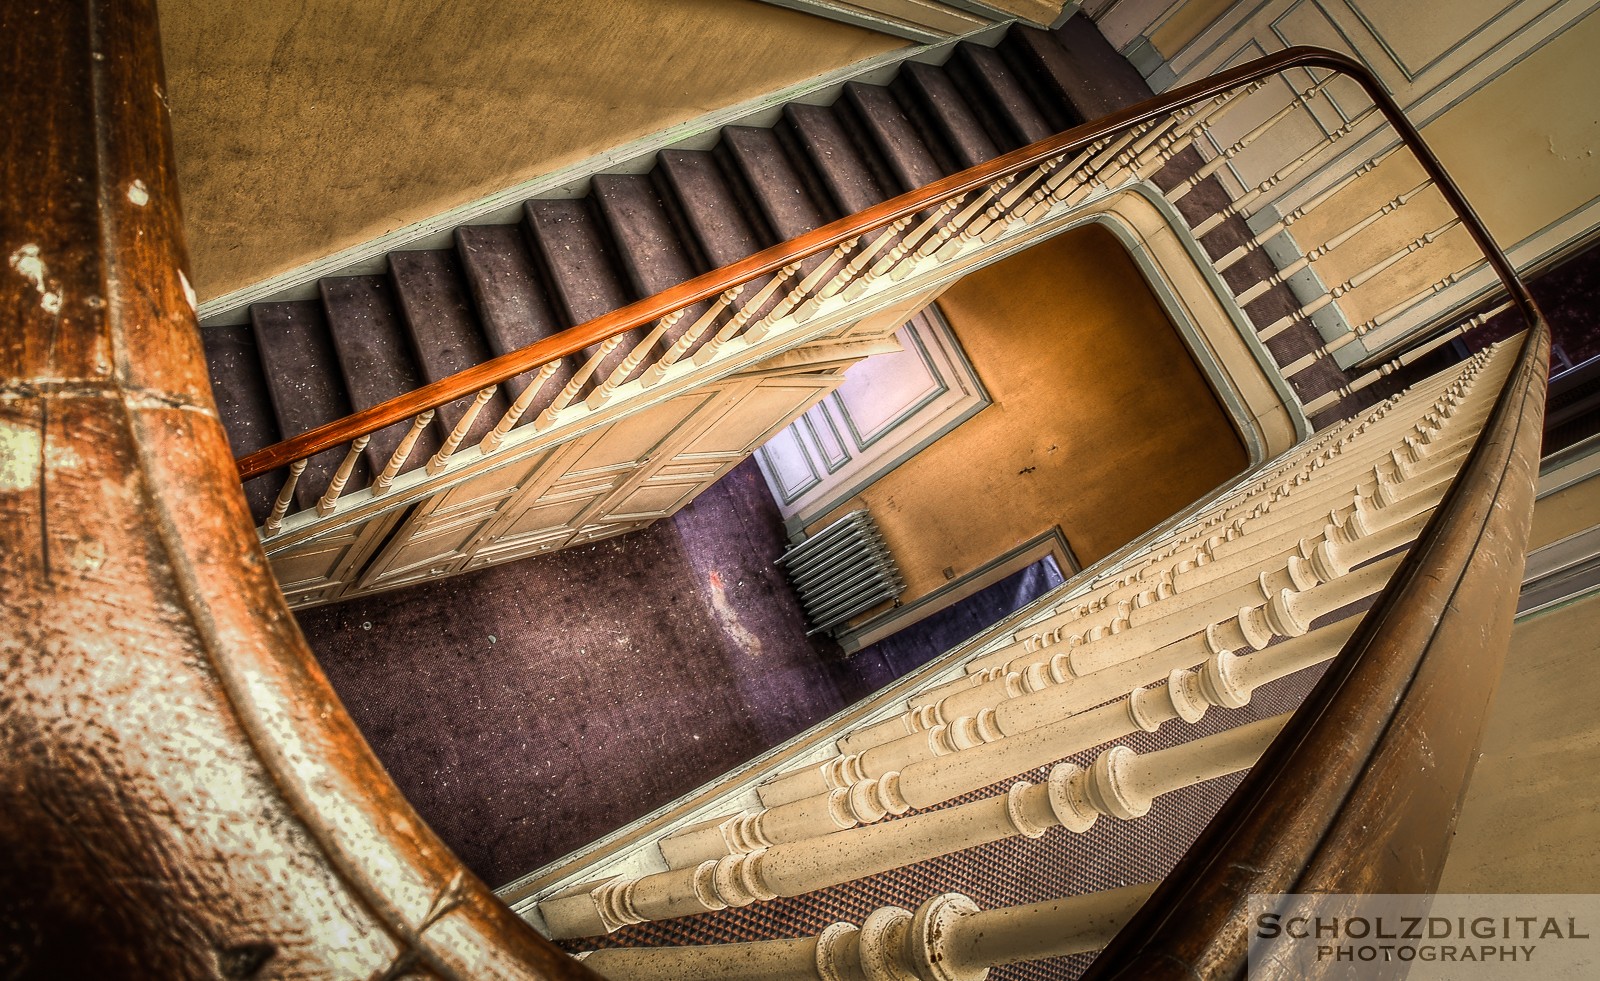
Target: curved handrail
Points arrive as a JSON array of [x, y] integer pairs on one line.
[[831, 235]]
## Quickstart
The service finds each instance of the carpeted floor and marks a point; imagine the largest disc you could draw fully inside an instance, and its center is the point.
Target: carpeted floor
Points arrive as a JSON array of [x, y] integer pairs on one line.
[[529, 708]]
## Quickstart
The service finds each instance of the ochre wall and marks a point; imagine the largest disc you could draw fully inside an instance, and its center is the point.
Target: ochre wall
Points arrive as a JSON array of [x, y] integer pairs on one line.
[[304, 128], [1101, 422]]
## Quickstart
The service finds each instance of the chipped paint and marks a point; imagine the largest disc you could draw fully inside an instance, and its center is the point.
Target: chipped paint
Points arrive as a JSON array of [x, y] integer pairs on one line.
[[20, 451], [30, 265], [138, 193], [188, 291]]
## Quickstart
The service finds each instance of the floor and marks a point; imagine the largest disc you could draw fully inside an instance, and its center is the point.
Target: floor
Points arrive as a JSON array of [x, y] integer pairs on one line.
[[583, 689]]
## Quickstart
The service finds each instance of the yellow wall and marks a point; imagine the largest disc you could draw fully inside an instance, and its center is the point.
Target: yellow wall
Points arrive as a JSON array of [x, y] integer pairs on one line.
[[305, 128], [1101, 423], [1185, 24]]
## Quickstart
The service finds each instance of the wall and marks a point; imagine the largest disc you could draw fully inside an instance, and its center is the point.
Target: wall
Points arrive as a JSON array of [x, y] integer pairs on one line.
[[1500, 89], [1100, 422], [304, 128]]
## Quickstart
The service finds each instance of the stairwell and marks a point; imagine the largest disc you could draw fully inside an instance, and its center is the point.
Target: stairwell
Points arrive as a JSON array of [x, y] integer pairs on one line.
[[299, 364]]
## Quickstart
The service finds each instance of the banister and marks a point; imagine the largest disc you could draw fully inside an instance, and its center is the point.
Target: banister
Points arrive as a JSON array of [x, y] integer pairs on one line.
[[769, 260], [1352, 797]]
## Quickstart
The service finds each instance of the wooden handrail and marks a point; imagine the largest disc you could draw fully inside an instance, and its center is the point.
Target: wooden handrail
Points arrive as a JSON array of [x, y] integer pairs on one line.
[[184, 796], [769, 260]]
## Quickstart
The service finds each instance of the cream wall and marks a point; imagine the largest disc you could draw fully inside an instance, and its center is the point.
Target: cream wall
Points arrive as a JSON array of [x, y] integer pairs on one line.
[[1502, 89], [305, 128]]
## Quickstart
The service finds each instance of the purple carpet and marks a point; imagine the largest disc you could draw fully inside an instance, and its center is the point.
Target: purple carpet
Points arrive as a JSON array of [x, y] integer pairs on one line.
[[529, 708]]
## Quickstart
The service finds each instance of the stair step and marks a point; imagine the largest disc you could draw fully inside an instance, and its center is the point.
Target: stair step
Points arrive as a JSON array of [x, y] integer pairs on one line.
[[581, 268], [950, 128], [514, 307], [437, 314], [1003, 103], [1099, 81], [375, 358], [307, 390], [240, 387], [1043, 67], [777, 186], [878, 121], [653, 254], [702, 200], [839, 163]]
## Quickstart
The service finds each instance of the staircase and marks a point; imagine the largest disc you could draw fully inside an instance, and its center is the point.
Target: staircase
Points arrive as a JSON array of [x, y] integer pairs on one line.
[[299, 364]]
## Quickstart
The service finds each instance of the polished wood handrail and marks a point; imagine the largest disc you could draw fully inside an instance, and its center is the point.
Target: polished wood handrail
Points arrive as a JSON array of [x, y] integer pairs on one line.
[[831, 235], [1360, 791]]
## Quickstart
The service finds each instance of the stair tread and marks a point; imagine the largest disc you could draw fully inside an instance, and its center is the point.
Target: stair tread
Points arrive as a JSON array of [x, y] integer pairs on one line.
[[1099, 80], [302, 373], [581, 268], [652, 252], [513, 304], [949, 126], [375, 358], [838, 161], [708, 206], [776, 185], [884, 124], [1046, 72], [240, 387], [1002, 102], [438, 316]]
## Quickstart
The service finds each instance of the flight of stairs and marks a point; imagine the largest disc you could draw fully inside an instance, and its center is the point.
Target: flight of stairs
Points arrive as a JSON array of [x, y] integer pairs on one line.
[[300, 364]]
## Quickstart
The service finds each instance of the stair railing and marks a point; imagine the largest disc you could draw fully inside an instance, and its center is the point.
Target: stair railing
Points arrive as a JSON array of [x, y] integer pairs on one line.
[[179, 757], [781, 289]]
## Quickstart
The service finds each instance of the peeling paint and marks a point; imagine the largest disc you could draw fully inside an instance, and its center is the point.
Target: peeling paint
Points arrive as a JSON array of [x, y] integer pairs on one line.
[[138, 193], [188, 291], [20, 451], [30, 266]]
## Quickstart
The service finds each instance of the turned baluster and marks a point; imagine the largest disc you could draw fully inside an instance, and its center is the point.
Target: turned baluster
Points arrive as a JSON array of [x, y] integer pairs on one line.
[[437, 463], [397, 459], [280, 507]]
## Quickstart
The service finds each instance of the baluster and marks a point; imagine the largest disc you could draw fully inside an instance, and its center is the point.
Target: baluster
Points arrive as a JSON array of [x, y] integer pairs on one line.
[[1282, 224], [687, 339], [1379, 320], [1246, 202], [494, 437], [598, 397], [1327, 400], [575, 384], [1355, 282], [397, 459], [1223, 680], [1227, 153], [852, 271], [280, 507], [341, 476], [1121, 784], [460, 432], [1332, 244], [948, 938], [797, 298], [745, 313]]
